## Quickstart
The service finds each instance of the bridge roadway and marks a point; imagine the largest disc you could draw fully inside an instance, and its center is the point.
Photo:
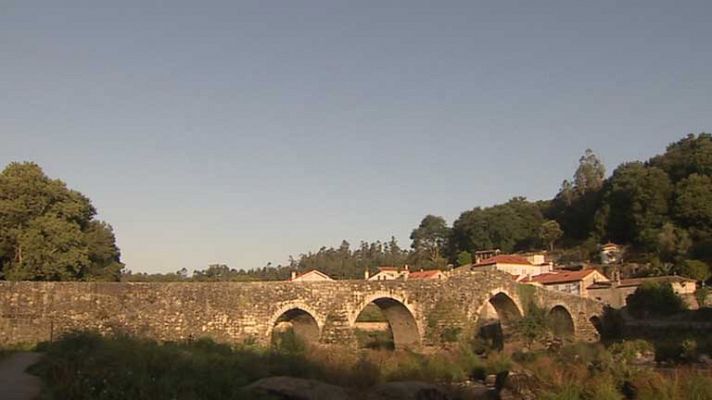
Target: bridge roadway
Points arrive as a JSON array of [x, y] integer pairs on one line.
[[420, 313]]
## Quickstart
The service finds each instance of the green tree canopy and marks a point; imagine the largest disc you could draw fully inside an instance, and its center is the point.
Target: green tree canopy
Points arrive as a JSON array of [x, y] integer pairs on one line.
[[693, 203], [694, 269], [550, 232], [511, 226], [690, 155], [430, 239], [636, 202], [47, 231]]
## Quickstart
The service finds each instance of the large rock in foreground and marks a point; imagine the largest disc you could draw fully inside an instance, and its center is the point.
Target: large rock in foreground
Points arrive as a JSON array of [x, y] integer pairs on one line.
[[287, 388], [406, 391]]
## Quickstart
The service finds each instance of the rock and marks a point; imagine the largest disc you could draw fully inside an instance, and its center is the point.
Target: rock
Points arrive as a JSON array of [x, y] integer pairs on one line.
[[288, 388], [407, 391], [491, 380]]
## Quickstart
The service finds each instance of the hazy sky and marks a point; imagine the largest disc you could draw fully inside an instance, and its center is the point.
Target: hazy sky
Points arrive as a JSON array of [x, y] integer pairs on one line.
[[243, 132]]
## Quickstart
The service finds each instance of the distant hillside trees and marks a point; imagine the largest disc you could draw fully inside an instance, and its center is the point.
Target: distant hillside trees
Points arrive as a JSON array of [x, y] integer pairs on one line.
[[48, 232]]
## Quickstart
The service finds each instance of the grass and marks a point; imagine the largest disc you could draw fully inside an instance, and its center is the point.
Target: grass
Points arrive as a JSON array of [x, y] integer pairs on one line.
[[87, 366]]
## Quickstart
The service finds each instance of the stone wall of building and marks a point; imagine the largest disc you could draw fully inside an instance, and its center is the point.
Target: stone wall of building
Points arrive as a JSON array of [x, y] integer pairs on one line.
[[419, 312]]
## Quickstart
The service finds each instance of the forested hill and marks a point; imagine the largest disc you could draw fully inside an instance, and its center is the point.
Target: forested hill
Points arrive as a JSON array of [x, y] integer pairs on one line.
[[660, 208]]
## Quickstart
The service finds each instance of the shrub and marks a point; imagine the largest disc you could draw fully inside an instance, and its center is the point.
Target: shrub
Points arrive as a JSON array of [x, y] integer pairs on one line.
[[654, 300], [701, 295]]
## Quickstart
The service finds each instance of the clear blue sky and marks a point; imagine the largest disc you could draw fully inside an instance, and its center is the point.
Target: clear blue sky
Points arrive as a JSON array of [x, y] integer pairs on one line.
[[243, 132]]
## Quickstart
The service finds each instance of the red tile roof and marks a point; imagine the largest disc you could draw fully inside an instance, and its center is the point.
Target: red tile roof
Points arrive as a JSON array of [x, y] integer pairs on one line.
[[431, 274], [503, 259], [560, 277]]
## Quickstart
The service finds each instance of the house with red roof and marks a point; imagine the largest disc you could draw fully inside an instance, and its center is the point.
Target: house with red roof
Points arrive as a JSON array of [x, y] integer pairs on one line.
[[511, 264], [574, 282], [310, 276], [433, 274]]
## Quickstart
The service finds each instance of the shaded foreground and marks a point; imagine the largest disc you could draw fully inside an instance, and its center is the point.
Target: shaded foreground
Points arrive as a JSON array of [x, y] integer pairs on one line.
[[87, 366]]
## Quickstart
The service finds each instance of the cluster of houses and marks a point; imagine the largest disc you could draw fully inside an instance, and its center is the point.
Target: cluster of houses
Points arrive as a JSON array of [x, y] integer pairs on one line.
[[535, 269]]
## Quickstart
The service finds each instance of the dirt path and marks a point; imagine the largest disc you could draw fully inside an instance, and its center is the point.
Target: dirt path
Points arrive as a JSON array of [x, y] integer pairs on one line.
[[15, 383]]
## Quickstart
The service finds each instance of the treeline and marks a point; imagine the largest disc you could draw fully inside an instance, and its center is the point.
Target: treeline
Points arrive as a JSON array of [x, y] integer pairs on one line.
[[661, 209]]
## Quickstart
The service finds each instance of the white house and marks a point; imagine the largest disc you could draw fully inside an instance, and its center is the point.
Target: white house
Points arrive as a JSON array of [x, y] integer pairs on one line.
[[310, 276], [388, 274], [514, 265]]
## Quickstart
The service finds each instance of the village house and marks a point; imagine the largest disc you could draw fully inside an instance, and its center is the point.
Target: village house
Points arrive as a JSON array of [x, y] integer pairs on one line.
[[610, 253], [387, 273], [310, 276], [484, 254], [574, 282], [514, 265], [615, 292], [433, 274]]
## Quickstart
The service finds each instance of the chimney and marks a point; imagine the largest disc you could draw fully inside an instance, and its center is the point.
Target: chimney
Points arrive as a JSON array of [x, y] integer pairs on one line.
[[294, 275], [366, 275]]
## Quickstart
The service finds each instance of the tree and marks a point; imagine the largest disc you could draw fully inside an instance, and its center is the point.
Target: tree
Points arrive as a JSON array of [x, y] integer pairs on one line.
[[47, 231], [590, 173], [653, 299], [575, 205], [690, 155], [693, 203], [637, 203], [464, 258], [511, 226], [673, 242], [430, 239], [550, 232], [694, 269]]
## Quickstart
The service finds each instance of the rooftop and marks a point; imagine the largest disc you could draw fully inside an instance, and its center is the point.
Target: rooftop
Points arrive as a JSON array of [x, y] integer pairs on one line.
[[560, 277], [503, 259]]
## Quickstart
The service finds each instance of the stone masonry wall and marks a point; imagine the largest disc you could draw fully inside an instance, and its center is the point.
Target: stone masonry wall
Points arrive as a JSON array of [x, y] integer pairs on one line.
[[232, 312]]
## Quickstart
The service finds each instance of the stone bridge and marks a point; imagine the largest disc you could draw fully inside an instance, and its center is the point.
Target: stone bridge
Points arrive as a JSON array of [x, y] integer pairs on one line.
[[419, 313]]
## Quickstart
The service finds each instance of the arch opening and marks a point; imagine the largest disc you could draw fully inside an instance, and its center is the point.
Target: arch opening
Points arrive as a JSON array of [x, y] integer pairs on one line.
[[293, 324], [561, 322], [386, 323], [495, 317]]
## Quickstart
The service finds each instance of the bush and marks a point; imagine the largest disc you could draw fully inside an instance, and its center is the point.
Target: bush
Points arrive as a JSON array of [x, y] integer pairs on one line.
[[654, 300], [694, 269], [701, 295]]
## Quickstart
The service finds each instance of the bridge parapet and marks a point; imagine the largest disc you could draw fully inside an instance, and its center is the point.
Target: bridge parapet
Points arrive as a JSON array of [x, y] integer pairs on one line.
[[419, 312]]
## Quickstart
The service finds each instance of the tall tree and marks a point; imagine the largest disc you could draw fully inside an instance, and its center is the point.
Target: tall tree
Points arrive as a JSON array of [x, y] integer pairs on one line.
[[575, 204], [47, 231], [430, 239], [590, 173], [637, 204], [550, 232], [693, 203]]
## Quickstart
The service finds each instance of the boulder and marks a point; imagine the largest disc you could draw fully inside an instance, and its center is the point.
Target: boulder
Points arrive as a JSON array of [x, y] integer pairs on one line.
[[410, 390], [288, 388]]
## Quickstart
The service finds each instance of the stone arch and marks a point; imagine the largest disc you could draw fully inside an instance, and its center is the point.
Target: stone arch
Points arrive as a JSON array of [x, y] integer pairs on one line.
[[506, 308], [300, 319], [495, 315], [561, 321], [401, 319]]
